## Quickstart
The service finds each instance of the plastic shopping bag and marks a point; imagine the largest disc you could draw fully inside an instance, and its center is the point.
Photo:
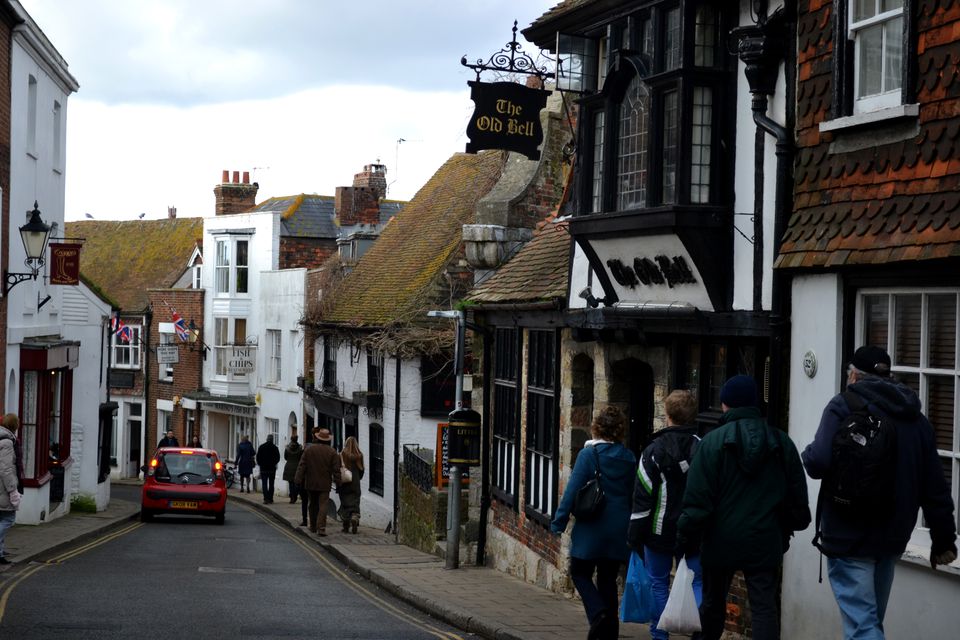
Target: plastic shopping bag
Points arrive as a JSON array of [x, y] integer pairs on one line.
[[637, 604], [256, 472], [681, 614]]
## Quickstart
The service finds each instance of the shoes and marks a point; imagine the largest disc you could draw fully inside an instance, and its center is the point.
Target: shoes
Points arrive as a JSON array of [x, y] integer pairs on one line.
[[303, 523], [313, 528], [353, 526], [293, 501], [346, 527], [3, 560], [322, 534]]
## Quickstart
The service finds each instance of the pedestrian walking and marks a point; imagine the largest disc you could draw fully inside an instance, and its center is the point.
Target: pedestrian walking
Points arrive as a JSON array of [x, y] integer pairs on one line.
[[291, 457], [169, 440], [12, 423], [599, 546], [657, 498], [195, 442], [9, 494], [352, 459], [268, 457], [318, 470], [862, 547], [746, 494], [245, 461]]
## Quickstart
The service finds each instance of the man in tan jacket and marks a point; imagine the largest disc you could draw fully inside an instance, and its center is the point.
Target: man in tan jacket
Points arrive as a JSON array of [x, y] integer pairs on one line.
[[319, 468]]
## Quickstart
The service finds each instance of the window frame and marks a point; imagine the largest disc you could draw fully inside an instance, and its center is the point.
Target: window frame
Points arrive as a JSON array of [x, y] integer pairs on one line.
[[377, 458], [231, 266], [892, 97], [542, 459], [923, 372], [329, 381], [165, 369], [506, 422], [274, 340], [131, 349]]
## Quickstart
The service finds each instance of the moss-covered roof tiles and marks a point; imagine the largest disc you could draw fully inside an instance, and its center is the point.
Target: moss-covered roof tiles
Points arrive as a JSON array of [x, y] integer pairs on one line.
[[538, 273], [124, 258], [401, 269]]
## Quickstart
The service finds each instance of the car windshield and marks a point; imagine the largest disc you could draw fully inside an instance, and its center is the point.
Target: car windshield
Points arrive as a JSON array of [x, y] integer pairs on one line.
[[186, 468]]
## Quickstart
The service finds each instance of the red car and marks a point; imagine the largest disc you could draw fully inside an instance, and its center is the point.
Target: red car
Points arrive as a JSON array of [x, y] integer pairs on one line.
[[185, 481]]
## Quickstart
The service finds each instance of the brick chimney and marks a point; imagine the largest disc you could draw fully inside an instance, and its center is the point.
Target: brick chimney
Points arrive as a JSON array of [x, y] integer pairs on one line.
[[360, 204], [235, 196]]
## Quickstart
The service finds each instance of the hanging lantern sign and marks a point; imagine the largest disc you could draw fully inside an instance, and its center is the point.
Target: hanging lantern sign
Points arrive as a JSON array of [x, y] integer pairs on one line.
[[507, 116], [64, 263]]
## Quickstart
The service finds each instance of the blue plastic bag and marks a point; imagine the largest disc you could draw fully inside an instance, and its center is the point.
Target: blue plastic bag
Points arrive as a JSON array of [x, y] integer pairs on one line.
[[637, 604]]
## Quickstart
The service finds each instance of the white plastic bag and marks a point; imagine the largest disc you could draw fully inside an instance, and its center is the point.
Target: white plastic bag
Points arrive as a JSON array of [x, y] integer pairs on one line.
[[256, 472], [681, 614]]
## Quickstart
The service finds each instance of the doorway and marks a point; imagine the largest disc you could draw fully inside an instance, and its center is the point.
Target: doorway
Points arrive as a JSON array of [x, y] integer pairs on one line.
[[632, 390], [134, 439]]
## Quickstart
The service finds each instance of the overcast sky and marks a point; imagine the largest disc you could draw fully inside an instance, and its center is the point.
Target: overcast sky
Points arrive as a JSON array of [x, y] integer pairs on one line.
[[301, 93]]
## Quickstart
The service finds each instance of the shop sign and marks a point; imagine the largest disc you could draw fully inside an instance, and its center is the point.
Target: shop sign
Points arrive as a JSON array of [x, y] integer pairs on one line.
[[242, 359], [443, 458], [168, 354], [507, 116], [64, 263]]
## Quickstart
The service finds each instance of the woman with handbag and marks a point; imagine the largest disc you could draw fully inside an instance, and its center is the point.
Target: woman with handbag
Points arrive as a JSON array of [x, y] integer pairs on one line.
[[598, 496], [349, 490], [245, 463]]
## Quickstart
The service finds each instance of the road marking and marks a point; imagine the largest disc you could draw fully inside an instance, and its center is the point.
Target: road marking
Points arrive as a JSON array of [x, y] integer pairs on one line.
[[27, 572], [345, 578], [224, 570]]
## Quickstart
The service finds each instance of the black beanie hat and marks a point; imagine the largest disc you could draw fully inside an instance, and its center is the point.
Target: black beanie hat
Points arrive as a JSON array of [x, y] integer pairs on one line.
[[739, 391], [872, 360]]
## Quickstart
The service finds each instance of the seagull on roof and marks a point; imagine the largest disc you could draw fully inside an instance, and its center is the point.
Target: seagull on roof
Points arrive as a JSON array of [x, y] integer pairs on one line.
[[140, 217]]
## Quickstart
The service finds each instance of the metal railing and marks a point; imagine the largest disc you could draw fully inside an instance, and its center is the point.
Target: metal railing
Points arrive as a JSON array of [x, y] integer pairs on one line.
[[417, 466]]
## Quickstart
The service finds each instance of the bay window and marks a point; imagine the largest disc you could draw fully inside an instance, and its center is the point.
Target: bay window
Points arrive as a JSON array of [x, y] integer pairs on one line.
[[231, 269]]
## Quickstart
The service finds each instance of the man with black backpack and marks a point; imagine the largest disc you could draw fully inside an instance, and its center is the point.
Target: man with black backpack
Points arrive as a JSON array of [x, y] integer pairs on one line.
[[875, 453]]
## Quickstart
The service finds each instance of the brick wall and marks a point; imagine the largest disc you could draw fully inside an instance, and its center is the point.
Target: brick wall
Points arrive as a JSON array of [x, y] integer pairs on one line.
[[187, 374], [306, 253]]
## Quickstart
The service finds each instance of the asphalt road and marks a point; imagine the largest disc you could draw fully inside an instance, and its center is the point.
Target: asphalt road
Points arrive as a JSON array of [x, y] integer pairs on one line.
[[180, 577]]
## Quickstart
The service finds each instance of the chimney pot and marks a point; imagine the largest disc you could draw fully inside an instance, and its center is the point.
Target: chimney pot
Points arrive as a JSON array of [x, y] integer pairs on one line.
[[236, 177], [226, 177], [246, 177]]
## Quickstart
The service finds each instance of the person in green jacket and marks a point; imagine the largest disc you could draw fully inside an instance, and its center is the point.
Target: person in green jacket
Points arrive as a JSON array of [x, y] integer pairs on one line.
[[746, 494]]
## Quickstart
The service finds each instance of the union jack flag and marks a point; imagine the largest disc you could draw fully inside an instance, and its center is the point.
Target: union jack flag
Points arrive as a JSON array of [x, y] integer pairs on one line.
[[121, 330], [180, 327]]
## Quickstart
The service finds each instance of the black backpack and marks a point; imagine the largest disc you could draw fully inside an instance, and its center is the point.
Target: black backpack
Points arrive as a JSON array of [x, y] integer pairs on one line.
[[861, 482]]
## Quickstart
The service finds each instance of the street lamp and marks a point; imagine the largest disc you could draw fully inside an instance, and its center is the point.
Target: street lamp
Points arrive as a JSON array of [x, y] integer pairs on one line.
[[34, 235]]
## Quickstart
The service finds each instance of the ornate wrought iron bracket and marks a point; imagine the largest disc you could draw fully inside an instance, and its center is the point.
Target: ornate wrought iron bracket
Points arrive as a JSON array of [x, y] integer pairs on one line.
[[510, 59]]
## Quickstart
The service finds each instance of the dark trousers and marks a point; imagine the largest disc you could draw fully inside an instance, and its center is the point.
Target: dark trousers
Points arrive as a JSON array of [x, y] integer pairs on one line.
[[318, 510], [601, 596], [761, 593], [266, 483]]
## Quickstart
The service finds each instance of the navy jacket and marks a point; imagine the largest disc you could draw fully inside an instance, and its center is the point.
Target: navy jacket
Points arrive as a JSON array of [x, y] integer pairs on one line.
[[920, 482], [245, 458], [658, 494], [605, 537]]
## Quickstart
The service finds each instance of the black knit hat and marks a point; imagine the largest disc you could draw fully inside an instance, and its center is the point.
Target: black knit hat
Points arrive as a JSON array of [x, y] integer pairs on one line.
[[739, 391], [872, 360]]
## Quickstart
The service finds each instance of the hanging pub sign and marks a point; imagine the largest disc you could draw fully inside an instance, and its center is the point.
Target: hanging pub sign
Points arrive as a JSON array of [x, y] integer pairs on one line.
[[65, 263], [507, 116]]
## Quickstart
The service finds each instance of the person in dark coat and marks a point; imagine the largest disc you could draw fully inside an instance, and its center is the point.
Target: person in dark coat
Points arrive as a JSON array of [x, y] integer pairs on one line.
[[268, 457], [195, 442], [352, 459], [291, 457], [168, 440], [600, 546], [657, 497], [318, 470], [862, 552], [245, 461], [746, 495]]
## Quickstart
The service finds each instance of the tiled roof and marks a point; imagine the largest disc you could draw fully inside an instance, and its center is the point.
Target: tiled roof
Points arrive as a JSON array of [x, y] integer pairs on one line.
[[124, 258], [399, 272], [313, 216], [561, 8], [538, 273], [891, 202]]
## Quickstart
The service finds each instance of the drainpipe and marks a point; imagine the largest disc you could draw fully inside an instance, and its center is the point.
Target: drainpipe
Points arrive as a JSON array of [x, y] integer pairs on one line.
[[761, 50], [396, 454]]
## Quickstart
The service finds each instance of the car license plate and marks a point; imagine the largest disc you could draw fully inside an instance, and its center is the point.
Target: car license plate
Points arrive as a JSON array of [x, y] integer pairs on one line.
[[183, 504]]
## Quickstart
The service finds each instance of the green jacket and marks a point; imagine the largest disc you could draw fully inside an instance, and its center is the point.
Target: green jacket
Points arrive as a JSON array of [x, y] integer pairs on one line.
[[746, 494]]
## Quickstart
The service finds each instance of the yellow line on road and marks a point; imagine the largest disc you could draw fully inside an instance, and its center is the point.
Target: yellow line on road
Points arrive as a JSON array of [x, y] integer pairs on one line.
[[350, 582], [29, 571]]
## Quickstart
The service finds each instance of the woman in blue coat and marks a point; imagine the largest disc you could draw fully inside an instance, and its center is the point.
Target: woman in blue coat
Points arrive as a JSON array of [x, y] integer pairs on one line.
[[245, 462], [600, 546]]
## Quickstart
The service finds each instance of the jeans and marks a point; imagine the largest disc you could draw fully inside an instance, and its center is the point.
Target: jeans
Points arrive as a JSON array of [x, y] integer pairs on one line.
[[266, 483], [862, 588], [318, 510], [601, 597], [659, 566], [761, 593], [7, 518]]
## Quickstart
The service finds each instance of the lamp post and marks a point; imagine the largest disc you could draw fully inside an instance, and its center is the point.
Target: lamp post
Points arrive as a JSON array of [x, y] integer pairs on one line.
[[34, 235]]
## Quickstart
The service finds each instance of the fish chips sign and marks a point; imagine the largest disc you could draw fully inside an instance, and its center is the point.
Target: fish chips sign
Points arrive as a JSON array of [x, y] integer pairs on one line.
[[507, 116]]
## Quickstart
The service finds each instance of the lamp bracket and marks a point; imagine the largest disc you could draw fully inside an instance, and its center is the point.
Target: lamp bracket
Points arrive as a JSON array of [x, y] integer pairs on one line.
[[10, 280]]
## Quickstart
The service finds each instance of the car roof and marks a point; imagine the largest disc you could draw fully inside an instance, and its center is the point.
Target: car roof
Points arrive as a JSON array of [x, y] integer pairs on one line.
[[209, 452]]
